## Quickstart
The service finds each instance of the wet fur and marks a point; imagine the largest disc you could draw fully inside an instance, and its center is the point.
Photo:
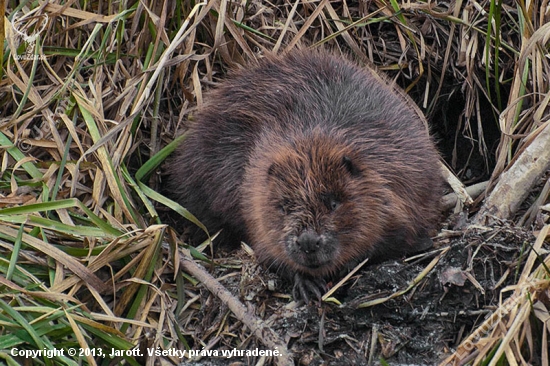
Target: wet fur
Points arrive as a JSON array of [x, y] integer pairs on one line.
[[309, 142]]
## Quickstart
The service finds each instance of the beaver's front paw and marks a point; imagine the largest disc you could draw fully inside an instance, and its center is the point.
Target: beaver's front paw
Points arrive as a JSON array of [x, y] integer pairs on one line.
[[305, 286]]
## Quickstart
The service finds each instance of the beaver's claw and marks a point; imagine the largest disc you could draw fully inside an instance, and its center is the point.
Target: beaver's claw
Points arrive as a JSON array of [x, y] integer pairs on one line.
[[304, 286]]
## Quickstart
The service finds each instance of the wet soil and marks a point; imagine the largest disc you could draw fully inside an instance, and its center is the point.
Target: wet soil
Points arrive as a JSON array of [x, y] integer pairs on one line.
[[420, 327]]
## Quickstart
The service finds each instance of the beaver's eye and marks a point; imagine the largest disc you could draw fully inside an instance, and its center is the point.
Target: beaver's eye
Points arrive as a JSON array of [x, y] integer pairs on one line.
[[284, 205], [331, 202]]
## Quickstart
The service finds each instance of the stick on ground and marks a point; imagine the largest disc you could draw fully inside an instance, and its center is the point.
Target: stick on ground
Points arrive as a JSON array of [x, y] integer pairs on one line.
[[265, 334], [515, 184]]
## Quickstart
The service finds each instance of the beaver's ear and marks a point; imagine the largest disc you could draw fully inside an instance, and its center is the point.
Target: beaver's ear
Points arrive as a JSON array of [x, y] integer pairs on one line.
[[350, 166], [275, 171]]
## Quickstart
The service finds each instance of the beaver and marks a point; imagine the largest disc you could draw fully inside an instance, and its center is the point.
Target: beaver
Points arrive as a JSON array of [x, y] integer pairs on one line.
[[316, 162]]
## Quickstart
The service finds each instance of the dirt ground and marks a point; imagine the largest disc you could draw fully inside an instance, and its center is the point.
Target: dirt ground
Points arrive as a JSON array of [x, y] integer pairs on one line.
[[421, 327]]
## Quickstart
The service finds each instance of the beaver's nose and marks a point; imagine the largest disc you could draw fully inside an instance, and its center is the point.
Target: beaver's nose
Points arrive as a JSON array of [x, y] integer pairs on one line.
[[309, 242]]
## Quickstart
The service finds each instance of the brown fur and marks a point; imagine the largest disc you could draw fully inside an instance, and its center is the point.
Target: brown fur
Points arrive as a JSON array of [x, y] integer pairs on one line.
[[315, 162]]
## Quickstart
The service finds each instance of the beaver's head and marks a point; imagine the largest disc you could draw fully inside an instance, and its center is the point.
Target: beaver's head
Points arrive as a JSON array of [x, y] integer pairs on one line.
[[313, 205]]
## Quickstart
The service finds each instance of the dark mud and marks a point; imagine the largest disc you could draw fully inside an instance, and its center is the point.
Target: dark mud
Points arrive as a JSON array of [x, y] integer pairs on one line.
[[420, 327]]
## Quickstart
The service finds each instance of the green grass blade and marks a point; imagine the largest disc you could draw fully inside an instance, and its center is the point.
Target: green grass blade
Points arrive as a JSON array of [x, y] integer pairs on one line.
[[15, 253], [18, 156]]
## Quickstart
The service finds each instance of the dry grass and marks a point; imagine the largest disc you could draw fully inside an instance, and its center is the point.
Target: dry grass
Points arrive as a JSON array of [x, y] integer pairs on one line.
[[92, 94]]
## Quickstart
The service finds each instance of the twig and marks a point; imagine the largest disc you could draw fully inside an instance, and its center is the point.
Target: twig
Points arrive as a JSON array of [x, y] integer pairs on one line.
[[473, 191], [264, 333], [515, 184], [412, 284], [456, 185]]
